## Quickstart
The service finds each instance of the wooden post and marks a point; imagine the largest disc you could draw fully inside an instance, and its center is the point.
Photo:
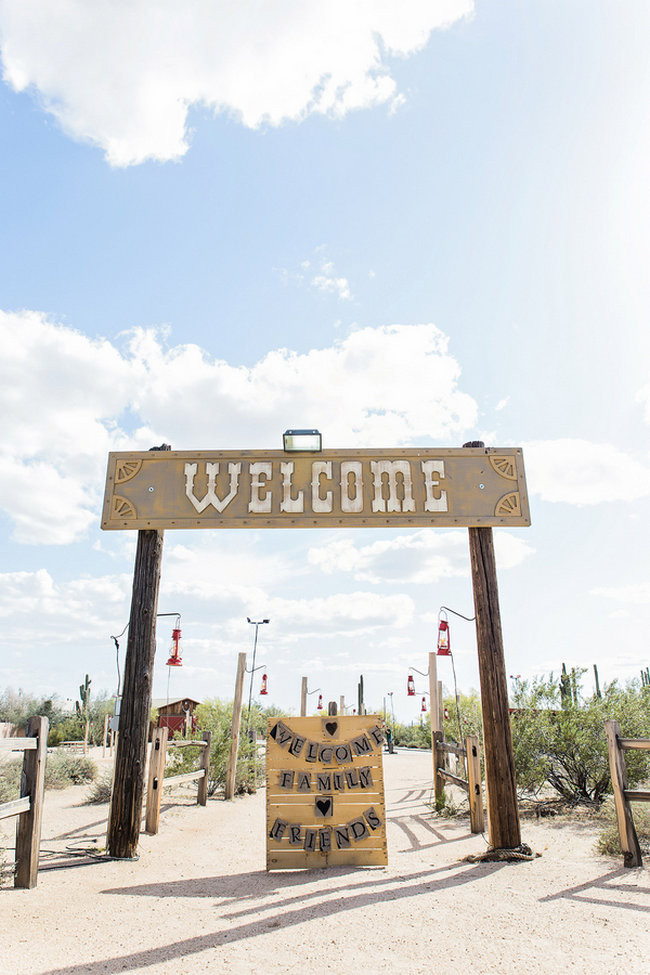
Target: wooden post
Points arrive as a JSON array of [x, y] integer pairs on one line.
[[128, 784], [202, 797], [626, 831], [503, 813], [303, 698], [474, 782], [156, 776], [331, 708], [438, 781], [236, 722], [28, 828], [342, 704]]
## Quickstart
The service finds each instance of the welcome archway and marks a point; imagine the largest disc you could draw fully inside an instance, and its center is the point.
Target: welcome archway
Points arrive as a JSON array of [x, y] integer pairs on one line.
[[152, 491]]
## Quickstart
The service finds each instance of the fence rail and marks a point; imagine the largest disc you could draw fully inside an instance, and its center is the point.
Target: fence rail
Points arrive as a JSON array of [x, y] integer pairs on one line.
[[158, 781], [29, 808], [616, 747], [471, 785]]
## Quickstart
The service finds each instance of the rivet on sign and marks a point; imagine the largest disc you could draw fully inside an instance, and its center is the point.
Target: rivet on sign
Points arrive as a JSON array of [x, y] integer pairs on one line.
[[481, 487], [151, 490]]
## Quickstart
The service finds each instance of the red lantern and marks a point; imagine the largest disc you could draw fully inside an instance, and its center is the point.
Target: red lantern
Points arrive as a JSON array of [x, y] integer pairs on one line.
[[410, 686], [263, 689], [319, 706], [444, 646], [446, 714], [424, 706], [175, 658]]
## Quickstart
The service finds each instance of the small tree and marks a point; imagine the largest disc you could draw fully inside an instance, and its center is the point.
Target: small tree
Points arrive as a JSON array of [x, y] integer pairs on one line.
[[83, 707]]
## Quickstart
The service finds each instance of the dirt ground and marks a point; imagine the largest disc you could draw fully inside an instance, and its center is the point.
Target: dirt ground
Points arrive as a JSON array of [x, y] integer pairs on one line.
[[199, 898]]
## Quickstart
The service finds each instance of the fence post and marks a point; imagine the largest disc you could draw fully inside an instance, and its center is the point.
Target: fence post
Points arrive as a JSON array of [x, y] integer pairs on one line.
[[28, 828], [202, 797], [626, 831], [476, 819], [439, 782], [236, 722], [156, 776]]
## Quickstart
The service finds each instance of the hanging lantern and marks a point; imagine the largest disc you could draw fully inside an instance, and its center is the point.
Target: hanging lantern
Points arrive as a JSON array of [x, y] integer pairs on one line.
[[263, 689], [319, 706], [424, 706], [410, 686], [446, 714], [444, 647], [175, 656]]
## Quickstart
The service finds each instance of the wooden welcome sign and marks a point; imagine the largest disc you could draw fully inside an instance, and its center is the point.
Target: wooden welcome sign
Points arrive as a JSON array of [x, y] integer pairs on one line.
[[325, 792]]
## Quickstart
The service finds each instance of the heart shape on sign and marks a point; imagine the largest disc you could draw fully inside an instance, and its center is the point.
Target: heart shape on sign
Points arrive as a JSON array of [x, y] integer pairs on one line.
[[331, 727], [324, 806]]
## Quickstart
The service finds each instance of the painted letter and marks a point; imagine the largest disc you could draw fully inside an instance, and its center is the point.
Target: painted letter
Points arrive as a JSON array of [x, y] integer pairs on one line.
[[436, 499], [210, 496], [348, 504], [319, 505], [261, 472], [391, 468], [288, 503]]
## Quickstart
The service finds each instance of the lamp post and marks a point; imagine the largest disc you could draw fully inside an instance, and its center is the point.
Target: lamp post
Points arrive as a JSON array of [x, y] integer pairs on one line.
[[256, 624]]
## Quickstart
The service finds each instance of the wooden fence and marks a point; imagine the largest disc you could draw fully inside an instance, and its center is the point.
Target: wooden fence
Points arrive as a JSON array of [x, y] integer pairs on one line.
[[158, 782], [616, 746], [29, 808], [473, 784]]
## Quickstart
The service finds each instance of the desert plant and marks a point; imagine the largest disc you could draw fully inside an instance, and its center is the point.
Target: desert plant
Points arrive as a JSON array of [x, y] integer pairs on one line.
[[63, 770], [10, 780], [565, 746], [609, 842], [100, 790]]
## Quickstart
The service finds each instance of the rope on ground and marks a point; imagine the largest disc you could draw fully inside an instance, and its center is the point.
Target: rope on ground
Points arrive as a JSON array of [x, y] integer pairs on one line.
[[521, 852]]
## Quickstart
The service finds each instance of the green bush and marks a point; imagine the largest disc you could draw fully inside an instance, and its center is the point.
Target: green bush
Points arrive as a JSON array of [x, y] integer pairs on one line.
[[609, 842], [10, 780], [63, 770], [100, 791], [565, 747], [216, 716]]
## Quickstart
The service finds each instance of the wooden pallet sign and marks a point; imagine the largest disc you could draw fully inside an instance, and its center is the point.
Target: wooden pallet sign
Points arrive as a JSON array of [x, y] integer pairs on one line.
[[325, 802]]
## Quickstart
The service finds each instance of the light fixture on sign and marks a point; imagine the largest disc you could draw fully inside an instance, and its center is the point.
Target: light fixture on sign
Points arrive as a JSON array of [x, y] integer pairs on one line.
[[310, 441]]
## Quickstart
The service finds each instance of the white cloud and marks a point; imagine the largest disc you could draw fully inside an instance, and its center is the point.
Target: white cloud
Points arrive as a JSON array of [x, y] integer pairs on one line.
[[330, 284], [123, 75], [501, 405], [635, 594], [64, 398], [581, 472], [421, 557]]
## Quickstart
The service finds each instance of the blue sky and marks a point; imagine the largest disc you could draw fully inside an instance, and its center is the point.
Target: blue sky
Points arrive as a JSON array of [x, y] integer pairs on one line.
[[414, 223]]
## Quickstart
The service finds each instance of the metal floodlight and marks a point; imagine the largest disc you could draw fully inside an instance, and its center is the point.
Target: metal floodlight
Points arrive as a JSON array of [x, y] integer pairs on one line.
[[305, 440]]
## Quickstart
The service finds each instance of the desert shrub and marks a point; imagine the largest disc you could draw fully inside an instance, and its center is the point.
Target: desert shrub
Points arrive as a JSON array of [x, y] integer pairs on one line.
[[411, 736], [10, 780], [100, 790], [565, 747], [216, 716], [609, 843], [64, 770]]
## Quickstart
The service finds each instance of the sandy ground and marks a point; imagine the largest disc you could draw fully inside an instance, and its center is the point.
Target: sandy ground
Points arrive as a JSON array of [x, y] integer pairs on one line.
[[199, 898]]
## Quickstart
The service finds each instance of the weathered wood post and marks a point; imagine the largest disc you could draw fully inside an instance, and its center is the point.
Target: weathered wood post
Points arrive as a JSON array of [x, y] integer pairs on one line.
[[130, 759], [28, 828], [303, 698], [156, 776], [624, 819], [236, 724], [503, 813], [202, 797], [504, 831], [434, 714]]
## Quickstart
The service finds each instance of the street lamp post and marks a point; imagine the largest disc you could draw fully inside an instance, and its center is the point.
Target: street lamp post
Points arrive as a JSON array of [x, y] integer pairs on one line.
[[256, 624]]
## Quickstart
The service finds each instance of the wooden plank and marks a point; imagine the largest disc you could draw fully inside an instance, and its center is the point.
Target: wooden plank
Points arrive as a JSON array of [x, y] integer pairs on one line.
[[640, 743], [461, 783], [128, 784], [28, 831], [156, 779], [637, 795], [14, 807], [476, 816], [503, 811], [439, 782], [185, 777], [452, 749], [231, 772], [17, 744], [626, 831], [183, 743], [299, 859]]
